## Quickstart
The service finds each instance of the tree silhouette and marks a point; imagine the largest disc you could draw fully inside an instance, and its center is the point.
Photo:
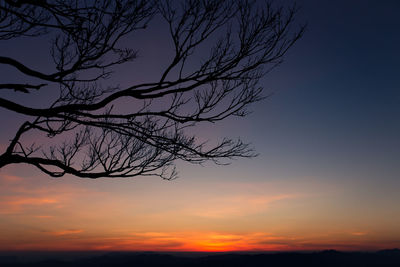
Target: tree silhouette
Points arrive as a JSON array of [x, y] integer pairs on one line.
[[86, 131]]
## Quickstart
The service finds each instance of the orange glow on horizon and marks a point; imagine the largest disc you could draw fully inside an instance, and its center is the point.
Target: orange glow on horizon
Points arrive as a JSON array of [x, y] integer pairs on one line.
[[74, 215], [79, 240]]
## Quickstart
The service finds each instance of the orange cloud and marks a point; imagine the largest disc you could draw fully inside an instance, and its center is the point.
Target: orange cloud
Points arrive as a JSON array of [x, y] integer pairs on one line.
[[202, 241], [67, 232], [78, 239], [17, 204], [359, 233], [9, 179], [16, 201], [238, 205], [44, 216], [18, 195]]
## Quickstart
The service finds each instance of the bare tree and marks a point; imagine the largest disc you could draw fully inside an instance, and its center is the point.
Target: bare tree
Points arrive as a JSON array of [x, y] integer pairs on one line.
[[86, 133]]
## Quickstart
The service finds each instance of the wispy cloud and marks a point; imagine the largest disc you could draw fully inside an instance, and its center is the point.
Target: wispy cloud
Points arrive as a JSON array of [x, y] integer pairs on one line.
[[44, 216], [359, 233], [17, 204], [66, 232], [79, 239], [206, 241], [237, 205], [19, 195]]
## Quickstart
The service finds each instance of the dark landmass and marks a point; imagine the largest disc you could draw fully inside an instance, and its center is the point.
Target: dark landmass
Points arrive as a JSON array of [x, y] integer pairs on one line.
[[324, 258]]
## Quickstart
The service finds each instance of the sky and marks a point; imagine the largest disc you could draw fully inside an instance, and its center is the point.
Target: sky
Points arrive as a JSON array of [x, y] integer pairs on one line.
[[326, 176]]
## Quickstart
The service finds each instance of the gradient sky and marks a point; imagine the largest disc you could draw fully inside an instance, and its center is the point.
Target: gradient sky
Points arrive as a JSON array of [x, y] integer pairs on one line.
[[327, 176]]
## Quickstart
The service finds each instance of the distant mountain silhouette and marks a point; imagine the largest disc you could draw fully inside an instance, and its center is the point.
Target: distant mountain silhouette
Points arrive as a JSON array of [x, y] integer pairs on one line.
[[394, 251], [327, 258]]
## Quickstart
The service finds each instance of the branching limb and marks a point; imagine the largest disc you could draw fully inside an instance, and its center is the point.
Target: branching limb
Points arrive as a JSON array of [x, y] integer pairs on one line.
[[221, 50]]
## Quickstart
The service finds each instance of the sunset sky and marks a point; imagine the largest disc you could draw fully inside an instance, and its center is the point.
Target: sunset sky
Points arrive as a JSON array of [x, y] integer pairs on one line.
[[327, 174]]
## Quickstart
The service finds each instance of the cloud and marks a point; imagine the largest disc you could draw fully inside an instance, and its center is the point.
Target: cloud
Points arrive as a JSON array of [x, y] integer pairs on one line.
[[66, 232], [359, 233], [141, 241], [19, 195], [17, 204], [237, 205], [21, 201], [204, 241], [78, 239], [9, 179], [44, 216]]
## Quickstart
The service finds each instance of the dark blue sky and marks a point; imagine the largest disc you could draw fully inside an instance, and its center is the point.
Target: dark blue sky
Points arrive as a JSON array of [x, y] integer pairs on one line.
[[336, 103]]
